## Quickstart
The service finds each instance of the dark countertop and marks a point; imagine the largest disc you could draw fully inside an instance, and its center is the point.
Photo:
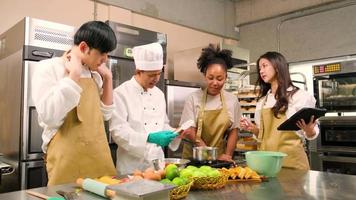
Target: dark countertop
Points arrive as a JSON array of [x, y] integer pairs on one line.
[[290, 184]]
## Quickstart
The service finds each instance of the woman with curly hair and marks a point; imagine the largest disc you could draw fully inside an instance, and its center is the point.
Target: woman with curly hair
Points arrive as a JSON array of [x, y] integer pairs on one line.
[[278, 100], [216, 112]]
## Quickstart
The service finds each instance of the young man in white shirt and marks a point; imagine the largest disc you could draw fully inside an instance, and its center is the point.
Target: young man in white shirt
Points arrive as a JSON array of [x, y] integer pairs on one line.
[[73, 95]]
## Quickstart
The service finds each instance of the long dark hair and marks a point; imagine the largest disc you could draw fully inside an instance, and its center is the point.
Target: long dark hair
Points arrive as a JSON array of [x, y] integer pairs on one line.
[[282, 96]]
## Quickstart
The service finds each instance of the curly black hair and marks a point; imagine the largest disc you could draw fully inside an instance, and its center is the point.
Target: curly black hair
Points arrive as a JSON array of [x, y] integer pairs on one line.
[[213, 55]]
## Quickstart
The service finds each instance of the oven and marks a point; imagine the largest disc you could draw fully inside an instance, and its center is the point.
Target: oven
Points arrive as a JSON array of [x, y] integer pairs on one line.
[[335, 86], [335, 89], [335, 148]]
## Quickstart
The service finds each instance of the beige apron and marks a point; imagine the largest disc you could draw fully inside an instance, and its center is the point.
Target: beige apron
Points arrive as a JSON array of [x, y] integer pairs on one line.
[[212, 125], [283, 141], [80, 147]]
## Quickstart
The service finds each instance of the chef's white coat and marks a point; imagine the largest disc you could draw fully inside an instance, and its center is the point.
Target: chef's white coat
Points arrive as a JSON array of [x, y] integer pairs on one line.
[[299, 100], [55, 94], [137, 114]]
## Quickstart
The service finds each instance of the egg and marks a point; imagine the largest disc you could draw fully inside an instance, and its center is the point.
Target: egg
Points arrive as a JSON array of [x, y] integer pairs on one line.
[[137, 173], [161, 172], [152, 176], [135, 178], [150, 169]]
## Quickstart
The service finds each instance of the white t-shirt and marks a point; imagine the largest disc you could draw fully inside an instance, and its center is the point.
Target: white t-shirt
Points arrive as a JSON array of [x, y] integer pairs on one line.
[[193, 103]]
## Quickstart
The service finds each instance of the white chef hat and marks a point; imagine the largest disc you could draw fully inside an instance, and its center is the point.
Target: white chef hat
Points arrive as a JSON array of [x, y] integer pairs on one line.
[[148, 57]]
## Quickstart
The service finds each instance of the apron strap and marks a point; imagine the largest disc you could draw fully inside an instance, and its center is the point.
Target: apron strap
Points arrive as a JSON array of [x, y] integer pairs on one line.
[[260, 133], [201, 112]]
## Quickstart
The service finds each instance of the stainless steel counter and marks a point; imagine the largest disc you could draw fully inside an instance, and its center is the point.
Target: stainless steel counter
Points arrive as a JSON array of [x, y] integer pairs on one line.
[[290, 184]]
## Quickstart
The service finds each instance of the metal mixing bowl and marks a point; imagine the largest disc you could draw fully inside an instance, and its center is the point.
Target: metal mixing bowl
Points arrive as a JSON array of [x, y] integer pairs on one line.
[[181, 163]]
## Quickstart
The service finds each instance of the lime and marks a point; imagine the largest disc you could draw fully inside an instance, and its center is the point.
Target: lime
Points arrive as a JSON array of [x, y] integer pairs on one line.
[[186, 173], [172, 173], [192, 167], [166, 181], [205, 167], [198, 173], [186, 180], [178, 181], [213, 173], [170, 166]]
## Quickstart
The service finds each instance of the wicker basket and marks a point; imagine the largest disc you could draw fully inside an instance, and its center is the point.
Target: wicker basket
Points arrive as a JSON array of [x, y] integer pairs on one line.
[[210, 183], [181, 192]]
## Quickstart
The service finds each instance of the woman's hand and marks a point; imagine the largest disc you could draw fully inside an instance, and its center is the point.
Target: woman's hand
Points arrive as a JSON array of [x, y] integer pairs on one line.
[[307, 128], [188, 133], [226, 157], [247, 125]]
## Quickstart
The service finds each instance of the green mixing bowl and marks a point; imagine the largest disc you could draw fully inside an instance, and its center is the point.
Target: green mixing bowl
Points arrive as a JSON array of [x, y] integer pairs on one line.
[[267, 163]]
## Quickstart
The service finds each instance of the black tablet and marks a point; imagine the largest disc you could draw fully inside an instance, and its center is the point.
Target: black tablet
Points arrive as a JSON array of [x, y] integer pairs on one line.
[[304, 113]]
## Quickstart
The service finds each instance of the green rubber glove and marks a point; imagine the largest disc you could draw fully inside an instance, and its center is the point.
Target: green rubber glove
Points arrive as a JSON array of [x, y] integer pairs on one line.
[[162, 138]]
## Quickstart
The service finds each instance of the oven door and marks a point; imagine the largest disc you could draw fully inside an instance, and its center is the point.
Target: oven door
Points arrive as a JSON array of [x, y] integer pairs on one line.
[[338, 164], [336, 93], [31, 131], [33, 174], [338, 133]]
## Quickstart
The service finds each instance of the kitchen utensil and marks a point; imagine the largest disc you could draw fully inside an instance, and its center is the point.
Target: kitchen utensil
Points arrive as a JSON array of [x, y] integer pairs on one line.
[[95, 187], [155, 163], [176, 142], [267, 163], [181, 163], [204, 153], [42, 196], [184, 126], [68, 195], [142, 189]]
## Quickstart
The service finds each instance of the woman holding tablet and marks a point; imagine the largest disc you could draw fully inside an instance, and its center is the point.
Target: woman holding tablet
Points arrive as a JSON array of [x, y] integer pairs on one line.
[[278, 100]]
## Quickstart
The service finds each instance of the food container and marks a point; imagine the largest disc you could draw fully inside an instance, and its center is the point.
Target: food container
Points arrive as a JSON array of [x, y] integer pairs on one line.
[[205, 153], [181, 163], [141, 190], [267, 163]]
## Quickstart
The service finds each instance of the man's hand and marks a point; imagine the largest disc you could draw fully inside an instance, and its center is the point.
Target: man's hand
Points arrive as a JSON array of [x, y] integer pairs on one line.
[[104, 72], [73, 66], [162, 138]]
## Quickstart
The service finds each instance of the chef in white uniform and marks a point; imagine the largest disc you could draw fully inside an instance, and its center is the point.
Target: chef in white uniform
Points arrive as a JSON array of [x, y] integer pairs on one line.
[[139, 124]]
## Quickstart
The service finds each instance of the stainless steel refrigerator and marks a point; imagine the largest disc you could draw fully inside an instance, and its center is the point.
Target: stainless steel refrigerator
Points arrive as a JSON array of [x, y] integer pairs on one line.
[[21, 47]]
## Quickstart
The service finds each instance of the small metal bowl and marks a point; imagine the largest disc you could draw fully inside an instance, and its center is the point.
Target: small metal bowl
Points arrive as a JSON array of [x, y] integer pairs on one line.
[[181, 163]]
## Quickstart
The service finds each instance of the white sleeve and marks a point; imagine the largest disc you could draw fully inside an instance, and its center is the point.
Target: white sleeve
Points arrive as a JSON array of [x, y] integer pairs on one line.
[[122, 133], [53, 98], [107, 110], [237, 113], [301, 100], [188, 111]]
